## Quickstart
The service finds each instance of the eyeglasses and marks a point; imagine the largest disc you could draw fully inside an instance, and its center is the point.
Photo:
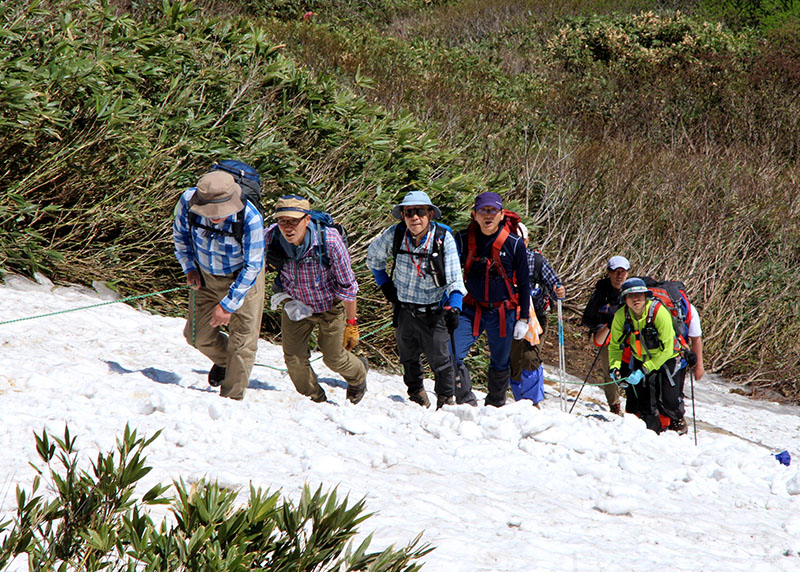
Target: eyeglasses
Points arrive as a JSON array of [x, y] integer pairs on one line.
[[290, 222], [419, 211], [488, 211]]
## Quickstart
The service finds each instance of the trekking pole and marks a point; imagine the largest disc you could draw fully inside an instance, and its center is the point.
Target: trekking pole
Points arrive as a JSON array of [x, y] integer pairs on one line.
[[562, 388], [456, 370], [597, 355], [694, 417]]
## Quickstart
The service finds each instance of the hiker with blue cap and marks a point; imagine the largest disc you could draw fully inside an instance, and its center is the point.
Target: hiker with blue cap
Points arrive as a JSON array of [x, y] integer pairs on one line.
[[425, 288], [644, 358]]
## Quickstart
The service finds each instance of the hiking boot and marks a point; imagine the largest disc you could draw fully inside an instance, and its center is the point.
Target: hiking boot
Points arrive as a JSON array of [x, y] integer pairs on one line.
[[216, 376], [441, 401], [356, 392], [679, 426], [616, 409], [420, 398]]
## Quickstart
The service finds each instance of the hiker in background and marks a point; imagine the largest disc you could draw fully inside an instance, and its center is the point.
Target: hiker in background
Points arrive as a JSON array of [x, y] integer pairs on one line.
[[695, 358], [496, 275], [227, 277], [527, 376], [598, 315], [654, 372], [315, 288], [426, 289]]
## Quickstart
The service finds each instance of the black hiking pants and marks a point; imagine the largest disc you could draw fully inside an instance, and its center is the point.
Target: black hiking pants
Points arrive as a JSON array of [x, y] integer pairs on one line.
[[420, 333], [659, 394]]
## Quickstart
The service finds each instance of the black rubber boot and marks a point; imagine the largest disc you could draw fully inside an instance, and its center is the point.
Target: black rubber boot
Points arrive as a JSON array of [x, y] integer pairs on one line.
[[497, 382]]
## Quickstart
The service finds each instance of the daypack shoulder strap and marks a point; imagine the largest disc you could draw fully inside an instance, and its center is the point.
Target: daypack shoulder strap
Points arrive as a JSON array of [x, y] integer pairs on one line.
[[651, 312], [471, 246], [397, 239], [538, 261], [237, 227], [497, 246]]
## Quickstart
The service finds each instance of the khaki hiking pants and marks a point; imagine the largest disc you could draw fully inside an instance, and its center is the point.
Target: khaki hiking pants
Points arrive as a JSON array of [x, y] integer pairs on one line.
[[296, 352], [525, 356], [236, 350], [610, 389]]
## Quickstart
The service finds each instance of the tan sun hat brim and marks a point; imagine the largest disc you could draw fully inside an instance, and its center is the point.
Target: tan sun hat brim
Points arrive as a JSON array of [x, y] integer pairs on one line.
[[217, 196]]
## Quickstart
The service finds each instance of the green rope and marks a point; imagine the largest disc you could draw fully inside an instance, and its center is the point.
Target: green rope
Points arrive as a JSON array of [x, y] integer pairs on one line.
[[193, 296], [128, 299], [592, 384]]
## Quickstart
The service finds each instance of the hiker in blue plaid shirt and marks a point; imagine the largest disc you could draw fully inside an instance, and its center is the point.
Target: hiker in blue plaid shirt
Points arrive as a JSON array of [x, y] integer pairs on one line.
[[227, 275], [426, 289]]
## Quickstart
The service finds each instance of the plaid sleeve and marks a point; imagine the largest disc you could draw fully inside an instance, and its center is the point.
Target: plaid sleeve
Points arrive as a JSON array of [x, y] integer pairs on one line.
[[253, 259], [550, 278], [345, 285], [452, 266], [181, 234], [379, 249]]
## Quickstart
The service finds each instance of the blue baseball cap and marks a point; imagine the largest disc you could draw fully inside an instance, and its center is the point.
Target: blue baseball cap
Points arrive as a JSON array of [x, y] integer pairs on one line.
[[633, 286]]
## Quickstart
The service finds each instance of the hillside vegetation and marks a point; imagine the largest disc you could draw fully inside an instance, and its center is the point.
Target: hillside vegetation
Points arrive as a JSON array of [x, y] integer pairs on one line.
[[668, 136]]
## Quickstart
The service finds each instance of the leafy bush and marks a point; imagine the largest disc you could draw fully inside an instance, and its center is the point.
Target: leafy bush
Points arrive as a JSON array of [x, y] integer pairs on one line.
[[767, 15], [95, 522], [644, 40]]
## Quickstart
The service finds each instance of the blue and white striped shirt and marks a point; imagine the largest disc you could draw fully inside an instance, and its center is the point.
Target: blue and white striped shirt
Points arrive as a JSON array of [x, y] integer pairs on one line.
[[220, 254], [414, 284]]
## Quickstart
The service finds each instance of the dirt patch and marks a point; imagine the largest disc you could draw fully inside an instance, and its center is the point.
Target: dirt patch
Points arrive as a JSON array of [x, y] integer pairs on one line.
[[579, 351]]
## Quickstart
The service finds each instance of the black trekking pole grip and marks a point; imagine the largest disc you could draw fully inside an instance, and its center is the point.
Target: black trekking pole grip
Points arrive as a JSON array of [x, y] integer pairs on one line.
[[591, 368]]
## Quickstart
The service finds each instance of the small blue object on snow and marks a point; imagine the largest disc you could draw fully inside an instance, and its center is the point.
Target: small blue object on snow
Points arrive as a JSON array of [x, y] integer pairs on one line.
[[784, 458], [530, 386]]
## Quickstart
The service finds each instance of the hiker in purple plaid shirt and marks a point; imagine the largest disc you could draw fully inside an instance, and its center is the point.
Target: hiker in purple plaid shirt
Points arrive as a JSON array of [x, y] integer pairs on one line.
[[315, 288], [227, 275]]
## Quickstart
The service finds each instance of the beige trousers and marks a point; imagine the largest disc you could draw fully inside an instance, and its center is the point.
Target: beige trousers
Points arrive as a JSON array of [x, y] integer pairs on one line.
[[330, 335], [236, 350], [611, 389]]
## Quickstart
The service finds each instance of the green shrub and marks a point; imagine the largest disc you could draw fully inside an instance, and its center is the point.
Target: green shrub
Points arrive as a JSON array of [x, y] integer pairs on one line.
[[95, 522], [643, 41]]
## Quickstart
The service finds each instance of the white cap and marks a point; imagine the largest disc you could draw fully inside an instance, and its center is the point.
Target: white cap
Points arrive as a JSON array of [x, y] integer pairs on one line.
[[619, 262], [522, 231]]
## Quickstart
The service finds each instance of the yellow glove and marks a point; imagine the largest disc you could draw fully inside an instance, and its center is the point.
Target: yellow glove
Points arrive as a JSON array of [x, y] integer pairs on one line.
[[350, 336]]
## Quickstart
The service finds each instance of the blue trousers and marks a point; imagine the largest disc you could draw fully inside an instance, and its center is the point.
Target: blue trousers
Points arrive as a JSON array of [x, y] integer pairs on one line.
[[499, 348]]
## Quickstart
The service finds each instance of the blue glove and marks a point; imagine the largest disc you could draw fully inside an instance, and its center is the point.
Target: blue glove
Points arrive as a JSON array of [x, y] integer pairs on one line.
[[784, 458], [635, 377], [614, 374]]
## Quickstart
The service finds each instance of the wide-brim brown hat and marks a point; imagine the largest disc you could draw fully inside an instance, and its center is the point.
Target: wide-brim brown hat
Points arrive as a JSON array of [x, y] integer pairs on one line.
[[291, 206], [217, 196]]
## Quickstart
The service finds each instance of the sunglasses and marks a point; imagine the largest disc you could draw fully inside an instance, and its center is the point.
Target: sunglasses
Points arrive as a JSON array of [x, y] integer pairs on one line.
[[419, 211], [488, 211], [290, 222]]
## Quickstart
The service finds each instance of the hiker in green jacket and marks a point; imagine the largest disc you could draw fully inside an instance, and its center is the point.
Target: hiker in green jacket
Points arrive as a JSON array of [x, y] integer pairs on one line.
[[644, 357]]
